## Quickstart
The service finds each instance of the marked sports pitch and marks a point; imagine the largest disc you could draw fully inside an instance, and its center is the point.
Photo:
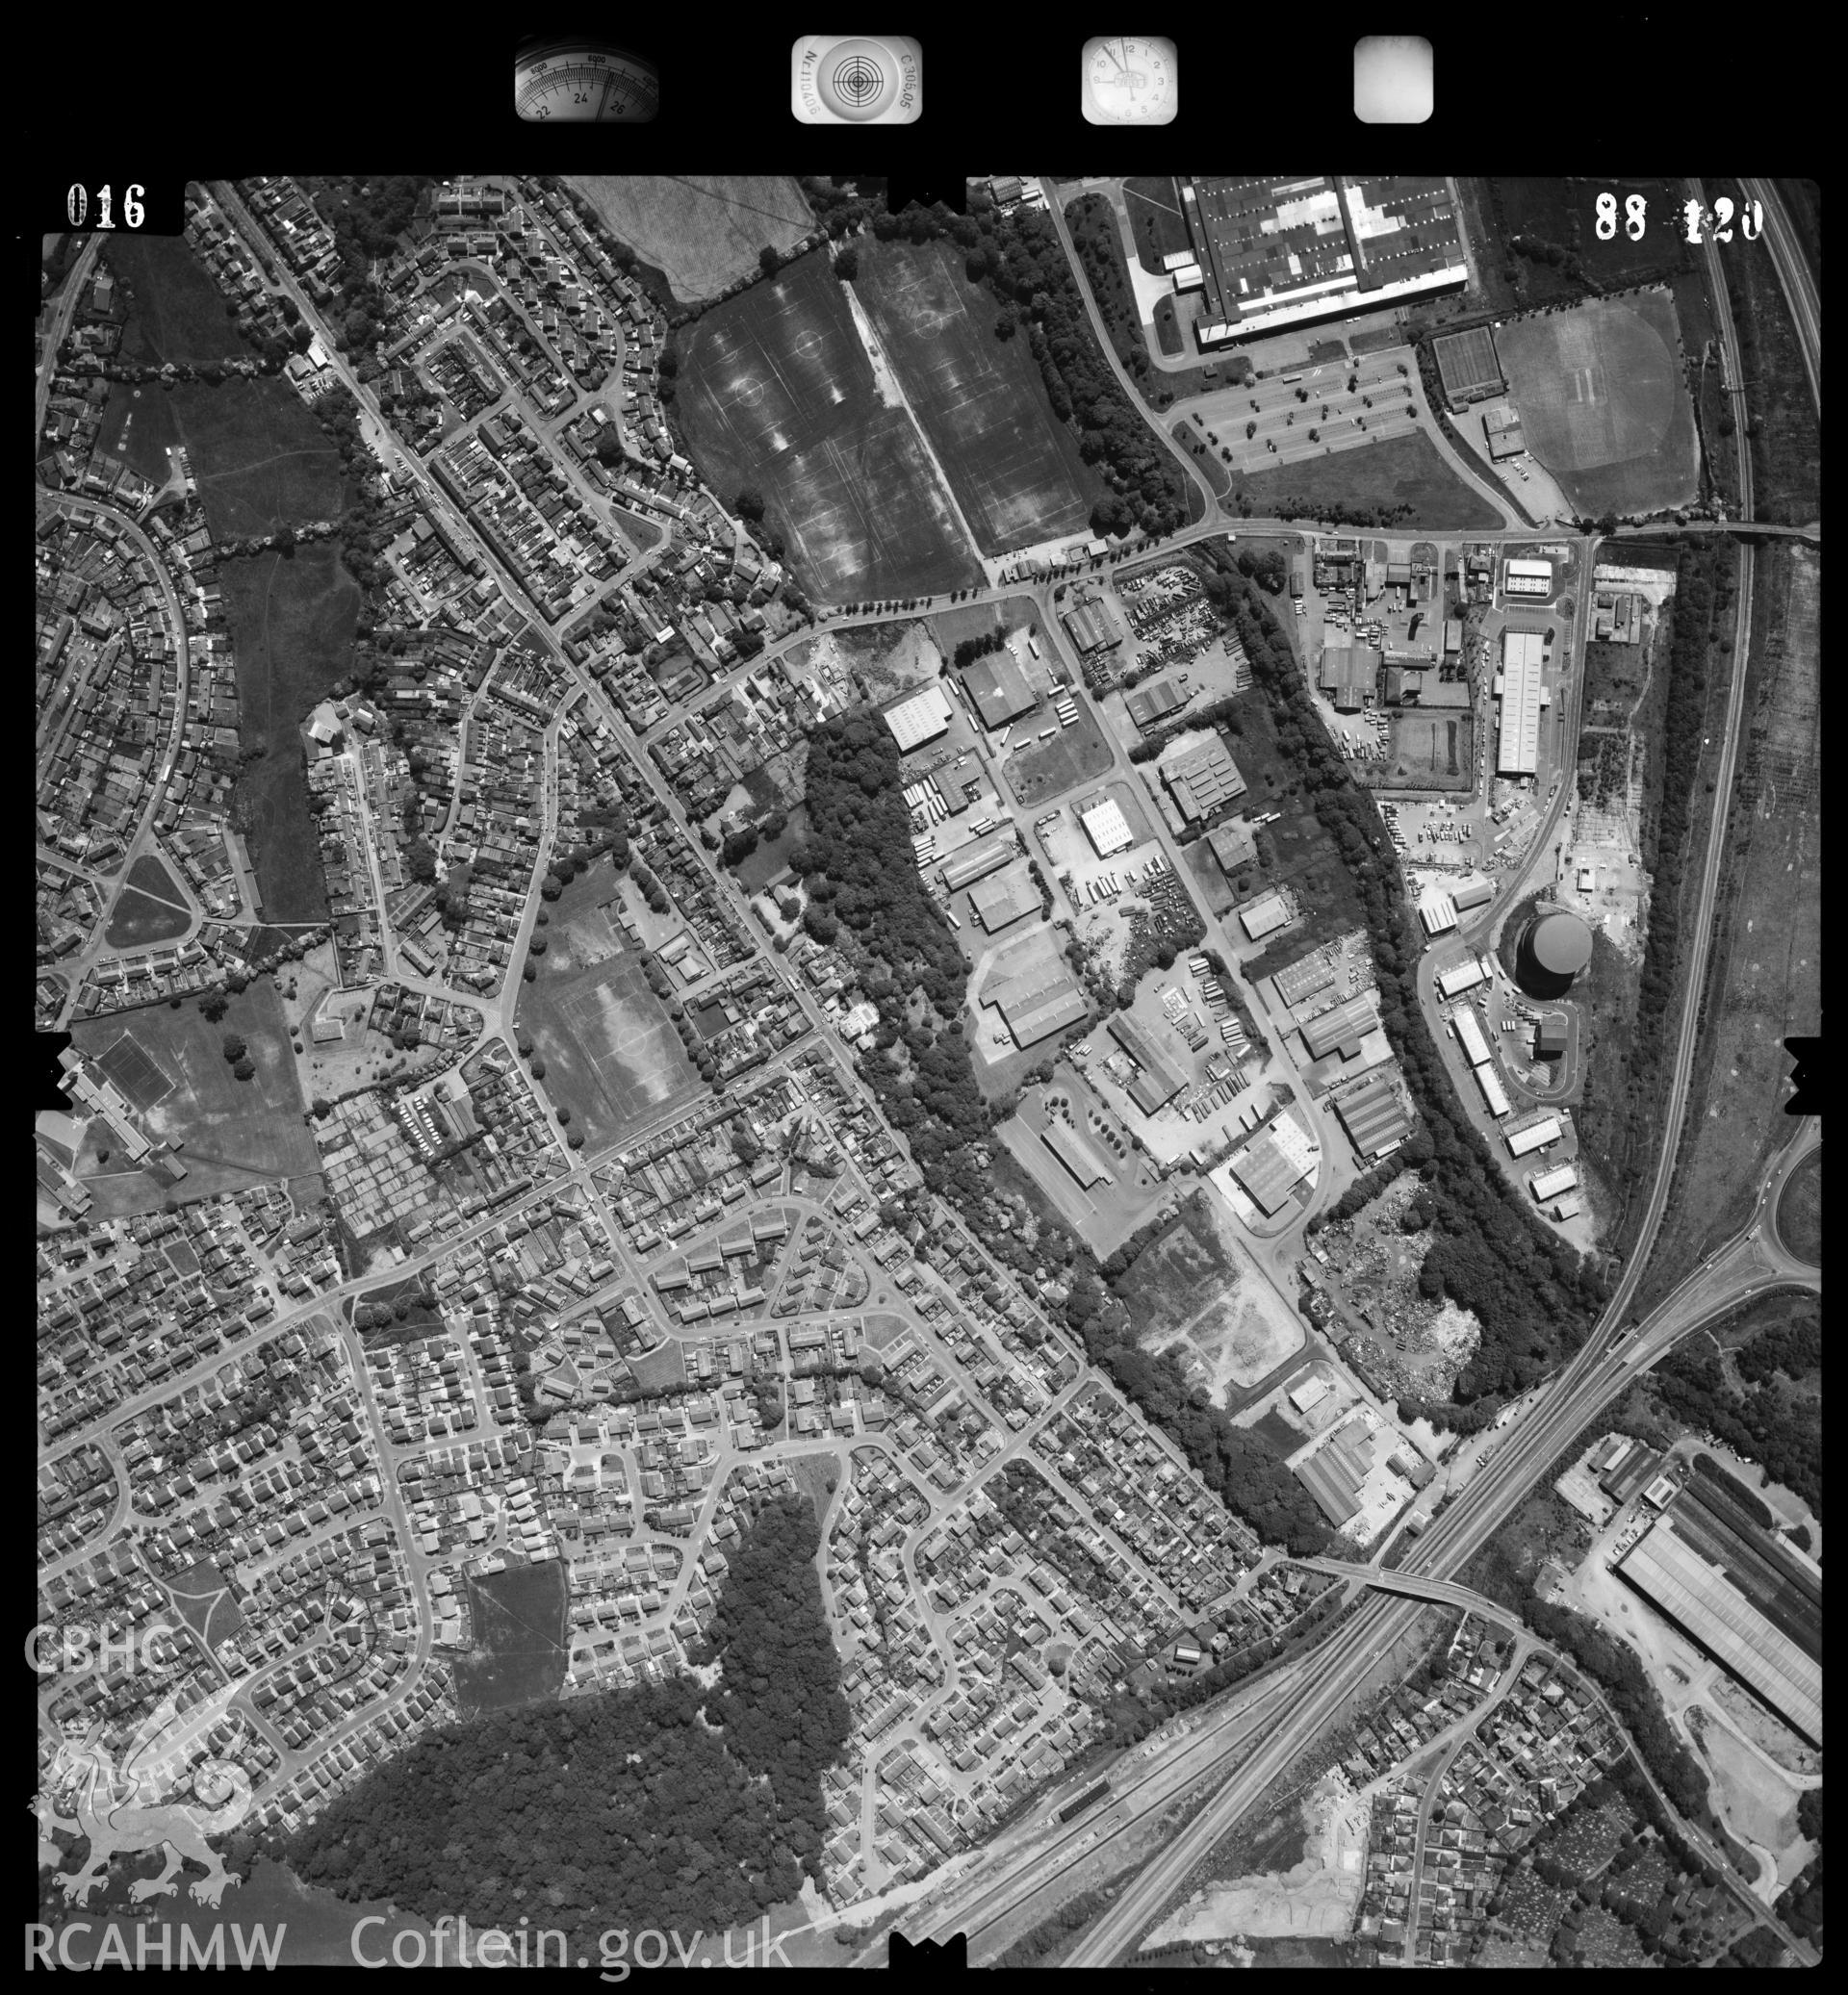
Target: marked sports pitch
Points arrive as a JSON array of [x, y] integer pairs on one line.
[[776, 391], [1603, 404], [613, 1056], [1016, 470], [133, 1069]]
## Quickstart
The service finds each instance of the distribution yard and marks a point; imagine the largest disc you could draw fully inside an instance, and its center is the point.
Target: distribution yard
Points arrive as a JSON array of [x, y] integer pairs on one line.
[[1603, 403], [777, 392], [1014, 469]]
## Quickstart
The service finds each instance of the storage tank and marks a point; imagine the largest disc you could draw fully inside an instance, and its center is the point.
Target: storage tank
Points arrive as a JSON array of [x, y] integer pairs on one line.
[[1556, 947]]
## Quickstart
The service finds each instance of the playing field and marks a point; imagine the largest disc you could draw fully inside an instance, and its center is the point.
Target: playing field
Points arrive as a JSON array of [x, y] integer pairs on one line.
[[519, 1641], [1603, 404], [611, 1054], [1014, 469], [776, 391], [171, 1064], [150, 909]]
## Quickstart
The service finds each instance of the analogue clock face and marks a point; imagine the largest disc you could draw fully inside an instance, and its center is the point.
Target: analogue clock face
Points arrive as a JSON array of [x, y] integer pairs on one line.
[[1129, 80], [584, 82]]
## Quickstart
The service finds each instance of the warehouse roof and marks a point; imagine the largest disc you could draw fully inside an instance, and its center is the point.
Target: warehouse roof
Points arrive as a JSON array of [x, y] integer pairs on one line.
[[1267, 1171], [1150, 705], [1203, 780], [1667, 1568], [1004, 897], [920, 718], [1325, 1476], [968, 865], [1304, 978], [1162, 1078], [1343, 1026], [1074, 1153], [1265, 915], [1517, 746], [1041, 1001], [1107, 828], [1373, 1114], [999, 688], [1474, 893], [1234, 844]]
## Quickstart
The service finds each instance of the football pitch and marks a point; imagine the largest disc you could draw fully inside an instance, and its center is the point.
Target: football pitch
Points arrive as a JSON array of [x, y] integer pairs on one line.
[[776, 391], [611, 1054], [1016, 470]]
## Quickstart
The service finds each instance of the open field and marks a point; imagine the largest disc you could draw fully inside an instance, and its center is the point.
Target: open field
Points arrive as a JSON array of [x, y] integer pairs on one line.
[[1757, 1804], [1800, 1210], [1015, 467], [176, 312], [1786, 453], [1377, 478], [1197, 1292], [203, 1600], [518, 1643], [777, 392], [139, 428], [700, 230], [260, 457], [292, 623], [138, 922], [611, 1054], [1048, 769], [1602, 402], [237, 1132], [1765, 978], [151, 909]]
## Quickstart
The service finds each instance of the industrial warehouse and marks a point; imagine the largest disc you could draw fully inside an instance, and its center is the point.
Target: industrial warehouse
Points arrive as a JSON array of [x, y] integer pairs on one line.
[[919, 718], [1203, 781], [1522, 696], [1276, 254], [1156, 1081], [1710, 1575]]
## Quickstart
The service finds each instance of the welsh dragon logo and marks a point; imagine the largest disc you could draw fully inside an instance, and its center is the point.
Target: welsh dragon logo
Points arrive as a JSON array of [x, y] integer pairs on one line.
[[138, 1806]]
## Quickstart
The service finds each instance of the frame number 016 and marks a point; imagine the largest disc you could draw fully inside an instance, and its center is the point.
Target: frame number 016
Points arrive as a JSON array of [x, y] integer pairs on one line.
[[77, 206]]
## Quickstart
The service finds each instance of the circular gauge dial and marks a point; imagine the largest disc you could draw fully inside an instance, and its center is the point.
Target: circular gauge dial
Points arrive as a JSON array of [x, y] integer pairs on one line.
[[856, 80], [1129, 80], [584, 82]]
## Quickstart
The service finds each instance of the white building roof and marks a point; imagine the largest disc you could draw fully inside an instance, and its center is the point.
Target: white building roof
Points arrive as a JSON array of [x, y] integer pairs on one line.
[[921, 718], [1518, 749], [1107, 828]]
